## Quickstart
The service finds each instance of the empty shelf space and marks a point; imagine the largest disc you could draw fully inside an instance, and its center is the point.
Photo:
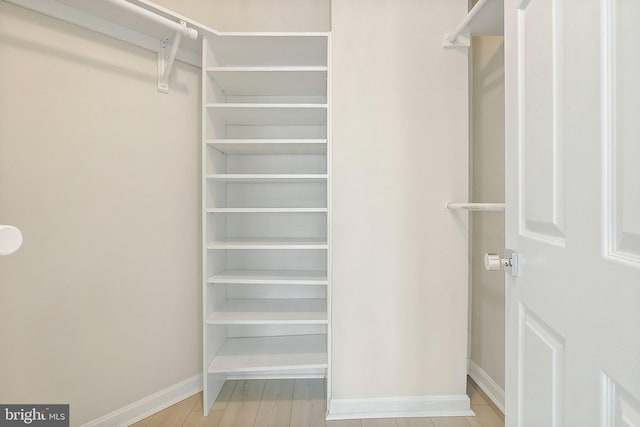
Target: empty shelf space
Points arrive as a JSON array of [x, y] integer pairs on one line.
[[274, 49], [270, 277], [270, 312], [269, 146], [270, 354], [268, 81], [261, 191], [275, 243], [269, 114], [267, 177]]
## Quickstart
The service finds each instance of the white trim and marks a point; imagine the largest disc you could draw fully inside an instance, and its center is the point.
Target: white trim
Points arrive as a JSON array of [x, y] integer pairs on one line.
[[283, 375], [329, 188], [487, 384], [149, 405], [400, 407]]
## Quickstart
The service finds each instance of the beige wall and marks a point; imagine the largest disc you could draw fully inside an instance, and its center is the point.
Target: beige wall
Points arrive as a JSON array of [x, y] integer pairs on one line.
[[400, 147], [100, 307], [487, 288], [256, 15]]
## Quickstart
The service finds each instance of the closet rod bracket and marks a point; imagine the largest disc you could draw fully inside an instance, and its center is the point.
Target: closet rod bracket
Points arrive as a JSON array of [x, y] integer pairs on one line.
[[488, 207], [166, 57], [461, 40]]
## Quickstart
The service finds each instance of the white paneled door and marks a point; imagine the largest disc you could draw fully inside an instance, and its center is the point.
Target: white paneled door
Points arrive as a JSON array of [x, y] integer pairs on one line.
[[573, 212]]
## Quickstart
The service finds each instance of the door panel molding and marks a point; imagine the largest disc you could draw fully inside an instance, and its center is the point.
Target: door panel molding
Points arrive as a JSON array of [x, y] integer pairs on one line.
[[619, 407], [541, 171], [621, 101], [541, 372]]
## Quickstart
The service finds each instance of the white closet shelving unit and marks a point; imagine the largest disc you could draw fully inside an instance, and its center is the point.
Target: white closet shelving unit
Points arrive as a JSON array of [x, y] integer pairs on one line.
[[265, 207]]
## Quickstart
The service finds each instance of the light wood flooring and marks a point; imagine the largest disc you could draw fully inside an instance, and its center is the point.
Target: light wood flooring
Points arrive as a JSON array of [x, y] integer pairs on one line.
[[297, 403]]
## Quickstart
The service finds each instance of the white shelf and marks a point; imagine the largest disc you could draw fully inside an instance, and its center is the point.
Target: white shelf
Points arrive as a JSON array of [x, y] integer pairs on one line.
[[270, 312], [270, 277], [267, 177], [109, 19], [269, 146], [267, 210], [249, 114], [270, 354], [270, 81], [282, 243]]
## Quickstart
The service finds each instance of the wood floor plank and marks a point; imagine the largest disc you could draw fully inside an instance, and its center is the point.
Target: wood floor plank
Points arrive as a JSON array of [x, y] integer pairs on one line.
[[343, 423], [414, 422], [473, 422], [475, 395], [309, 403], [450, 422], [197, 419], [275, 405], [174, 415], [198, 404], [379, 422], [224, 396], [243, 406], [486, 416], [143, 422]]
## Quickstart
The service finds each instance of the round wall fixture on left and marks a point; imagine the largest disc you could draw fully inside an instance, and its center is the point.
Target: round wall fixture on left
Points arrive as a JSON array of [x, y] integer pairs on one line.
[[10, 239]]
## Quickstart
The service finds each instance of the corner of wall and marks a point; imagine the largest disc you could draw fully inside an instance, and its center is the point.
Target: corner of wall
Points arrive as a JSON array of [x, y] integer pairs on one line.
[[487, 384], [149, 405]]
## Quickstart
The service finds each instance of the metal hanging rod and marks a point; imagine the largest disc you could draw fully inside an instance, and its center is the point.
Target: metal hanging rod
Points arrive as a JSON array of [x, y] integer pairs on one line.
[[451, 38], [485, 18], [487, 207], [180, 27]]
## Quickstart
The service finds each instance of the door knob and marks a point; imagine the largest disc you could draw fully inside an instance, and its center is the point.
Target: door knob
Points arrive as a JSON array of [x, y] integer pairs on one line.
[[10, 239], [494, 262]]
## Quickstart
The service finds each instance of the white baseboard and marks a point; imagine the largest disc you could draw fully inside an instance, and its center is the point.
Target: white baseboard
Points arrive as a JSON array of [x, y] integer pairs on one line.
[[487, 384], [339, 409], [400, 407], [149, 405]]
